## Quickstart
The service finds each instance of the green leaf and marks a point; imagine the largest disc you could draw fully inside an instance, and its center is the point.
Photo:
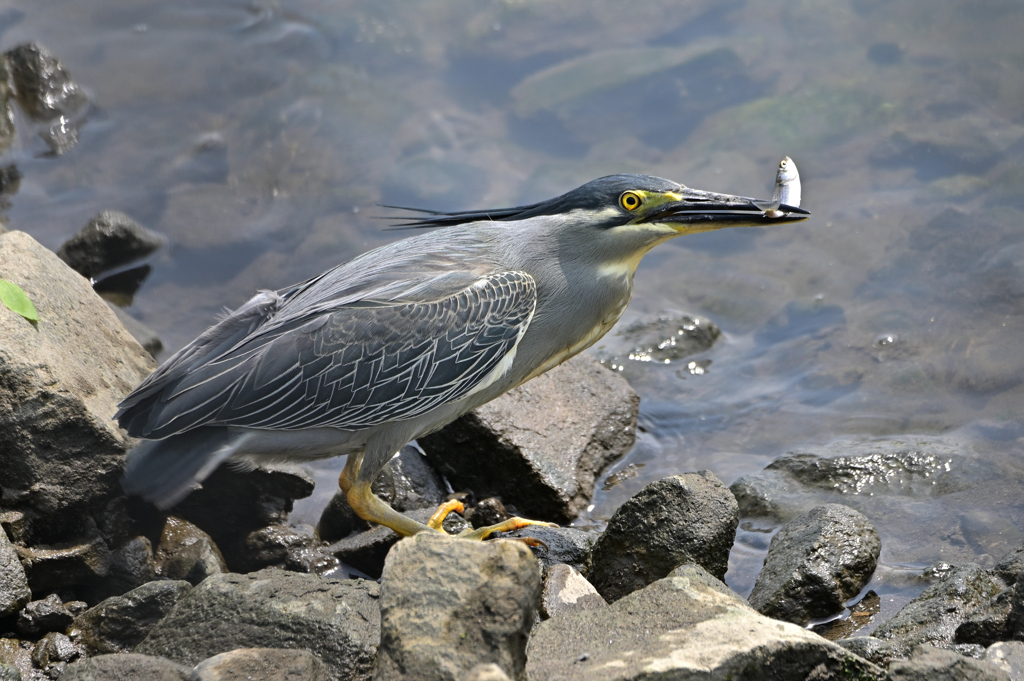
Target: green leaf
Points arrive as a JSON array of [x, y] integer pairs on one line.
[[13, 297]]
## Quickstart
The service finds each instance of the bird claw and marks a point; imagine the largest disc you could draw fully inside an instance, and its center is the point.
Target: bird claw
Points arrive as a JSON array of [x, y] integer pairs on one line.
[[482, 533]]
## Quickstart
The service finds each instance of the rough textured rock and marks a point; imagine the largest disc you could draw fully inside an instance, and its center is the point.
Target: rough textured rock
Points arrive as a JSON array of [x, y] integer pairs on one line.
[[338, 620], [232, 503], [871, 649], [111, 239], [48, 614], [126, 667], [540, 446], [60, 381], [681, 519], [934, 616], [9, 673], [43, 86], [1011, 565], [567, 545], [186, 552], [14, 591], [686, 626], [932, 664], [120, 623], [284, 546], [53, 649], [816, 563], [989, 623], [146, 336], [449, 605], [486, 672], [1015, 620], [1008, 656], [265, 664], [131, 565], [566, 590], [51, 566], [6, 113], [12, 654]]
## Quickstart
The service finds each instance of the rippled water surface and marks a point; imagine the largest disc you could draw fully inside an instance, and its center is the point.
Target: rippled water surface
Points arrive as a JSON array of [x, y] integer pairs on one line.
[[259, 136]]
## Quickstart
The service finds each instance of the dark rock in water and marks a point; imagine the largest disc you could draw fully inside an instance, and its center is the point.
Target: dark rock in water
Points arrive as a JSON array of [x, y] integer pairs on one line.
[[131, 566], [688, 625], [1011, 565], [51, 566], [871, 649], [126, 667], [487, 512], [14, 591], [1008, 656], [544, 443], [44, 88], [145, 336], [53, 649], [681, 519], [337, 620], [366, 551], [816, 563], [933, 617], [284, 546], [338, 520], [232, 503], [989, 623], [932, 664], [186, 552], [1015, 620], [120, 623], [60, 381], [448, 605], [109, 240], [265, 664], [567, 545], [650, 343], [6, 114], [565, 590], [48, 614], [10, 180], [120, 288]]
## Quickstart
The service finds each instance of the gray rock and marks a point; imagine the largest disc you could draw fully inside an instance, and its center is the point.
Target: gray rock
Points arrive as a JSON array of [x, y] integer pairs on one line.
[[265, 664], [339, 621], [816, 563], [131, 565], [126, 667], [120, 623], [486, 672], [48, 614], [567, 545], [932, 664], [186, 552], [566, 590], [14, 591], [44, 88], [13, 525], [988, 623], [933, 617], [540, 446], [1015, 620], [686, 626], [110, 240], [448, 605], [1008, 656], [9, 673], [54, 648], [14, 655], [60, 381], [1011, 565], [6, 113], [284, 546], [366, 551], [871, 649], [487, 512], [53, 566], [146, 336], [689, 518]]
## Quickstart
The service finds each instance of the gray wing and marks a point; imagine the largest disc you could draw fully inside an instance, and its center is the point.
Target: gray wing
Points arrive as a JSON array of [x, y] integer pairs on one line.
[[352, 367]]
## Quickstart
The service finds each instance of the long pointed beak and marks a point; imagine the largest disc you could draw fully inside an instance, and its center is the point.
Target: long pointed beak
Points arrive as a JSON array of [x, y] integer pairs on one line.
[[699, 211]]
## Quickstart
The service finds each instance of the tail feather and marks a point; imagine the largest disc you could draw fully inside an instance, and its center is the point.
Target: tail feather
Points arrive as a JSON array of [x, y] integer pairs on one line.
[[163, 471]]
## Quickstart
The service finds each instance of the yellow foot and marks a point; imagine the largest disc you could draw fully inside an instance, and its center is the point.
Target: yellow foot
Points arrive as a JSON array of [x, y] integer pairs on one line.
[[442, 512], [482, 533]]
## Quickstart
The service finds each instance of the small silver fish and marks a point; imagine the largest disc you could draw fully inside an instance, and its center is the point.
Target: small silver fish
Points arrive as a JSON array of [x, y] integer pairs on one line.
[[787, 189]]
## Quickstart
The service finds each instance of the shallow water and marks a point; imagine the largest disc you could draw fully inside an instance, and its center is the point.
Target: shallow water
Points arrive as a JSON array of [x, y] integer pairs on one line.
[[258, 137]]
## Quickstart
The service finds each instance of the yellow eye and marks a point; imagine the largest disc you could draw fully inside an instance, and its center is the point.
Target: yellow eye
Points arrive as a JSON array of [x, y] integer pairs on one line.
[[630, 200]]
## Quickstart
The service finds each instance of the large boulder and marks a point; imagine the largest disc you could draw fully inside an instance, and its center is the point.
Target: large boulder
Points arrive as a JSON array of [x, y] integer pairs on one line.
[[120, 623], [448, 605], [815, 564], [686, 626], [689, 518], [338, 620], [60, 381], [540, 446]]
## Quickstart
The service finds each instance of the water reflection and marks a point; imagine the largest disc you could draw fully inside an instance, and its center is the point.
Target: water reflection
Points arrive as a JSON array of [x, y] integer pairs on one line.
[[258, 138]]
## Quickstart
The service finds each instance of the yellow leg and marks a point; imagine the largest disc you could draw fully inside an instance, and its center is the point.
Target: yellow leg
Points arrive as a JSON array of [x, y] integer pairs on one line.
[[442, 512], [504, 526]]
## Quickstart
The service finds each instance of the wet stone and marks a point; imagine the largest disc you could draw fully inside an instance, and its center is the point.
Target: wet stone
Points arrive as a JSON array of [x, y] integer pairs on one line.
[[44, 88], [932, 664], [120, 623], [871, 649], [265, 664], [126, 667], [933, 617], [989, 623], [540, 447], [109, 240], [283, 546], [48, 614], [816, 563], [54, 648], [131, 565], [1015, 620], [448, 605], [14, 591], [689, 518], [565, 590], [487, 512], [186, 552], [1008, 656], [567, 545], [1011, 565]]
